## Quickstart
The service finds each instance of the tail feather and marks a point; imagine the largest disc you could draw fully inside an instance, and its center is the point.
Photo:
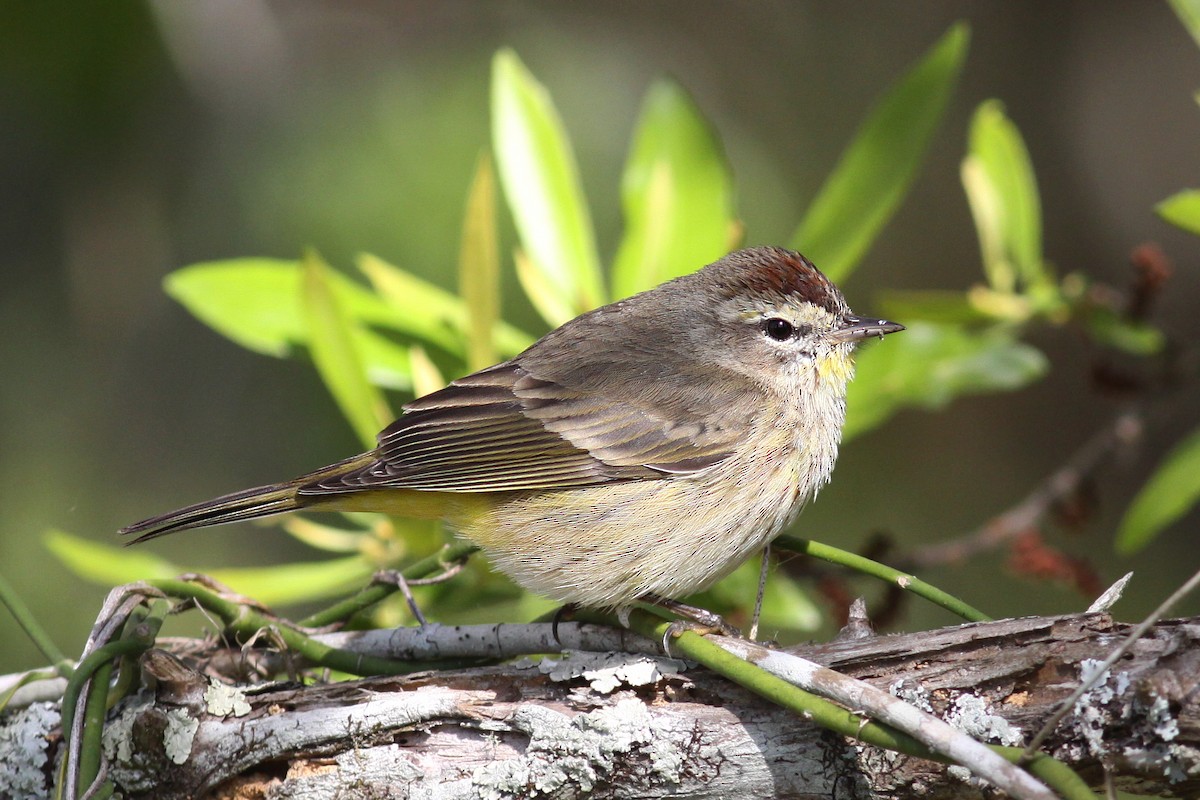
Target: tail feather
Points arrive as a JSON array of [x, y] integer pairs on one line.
[[261, 501]]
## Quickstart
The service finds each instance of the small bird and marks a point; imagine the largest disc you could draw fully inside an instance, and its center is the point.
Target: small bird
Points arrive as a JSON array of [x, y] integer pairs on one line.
[[642, 450]]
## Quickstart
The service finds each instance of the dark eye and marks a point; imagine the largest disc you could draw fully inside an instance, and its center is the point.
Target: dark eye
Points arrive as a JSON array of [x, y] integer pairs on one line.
[[779, 329]]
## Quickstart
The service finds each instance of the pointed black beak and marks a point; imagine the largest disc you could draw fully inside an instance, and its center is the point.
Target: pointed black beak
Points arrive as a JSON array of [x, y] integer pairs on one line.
[[855, 329]]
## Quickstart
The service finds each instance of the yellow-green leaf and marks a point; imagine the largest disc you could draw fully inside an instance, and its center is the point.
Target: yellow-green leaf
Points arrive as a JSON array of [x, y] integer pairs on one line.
[[427, 378], [1182, 210], [441, 316], [929, 305], [1109, 327], [1168, 495], [256, 303], [677, 194], [1188, 12], [479, 267], [323, 537], [283, 583], [877, 168], [1002, 191], [541, 183], [929, 365], [299, 582], [540, 290], [104, 564], [332, 345]]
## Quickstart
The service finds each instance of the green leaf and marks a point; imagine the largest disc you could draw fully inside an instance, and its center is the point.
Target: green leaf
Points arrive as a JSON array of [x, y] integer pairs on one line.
[[541, 183], [105, 564], [326, 537], [300, 582], [430, 312], [1188, 12], [440, 316], [677, 194], [479, 267], [1108, 327], [1168, 495], [335, 354], [256, 303], [284, 583], [427, 378], [929, 365], [876, 170], [1002, 191], [1182, 210]]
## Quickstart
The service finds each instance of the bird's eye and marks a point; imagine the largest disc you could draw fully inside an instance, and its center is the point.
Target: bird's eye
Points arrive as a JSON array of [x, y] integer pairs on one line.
[[778, 329]]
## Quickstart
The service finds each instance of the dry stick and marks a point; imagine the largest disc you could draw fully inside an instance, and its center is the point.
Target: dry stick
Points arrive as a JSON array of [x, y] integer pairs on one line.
[[1134, 635], [1124, 429]]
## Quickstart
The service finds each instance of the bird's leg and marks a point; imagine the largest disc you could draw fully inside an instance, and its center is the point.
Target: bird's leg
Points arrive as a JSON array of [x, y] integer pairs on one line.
[[762, 590]]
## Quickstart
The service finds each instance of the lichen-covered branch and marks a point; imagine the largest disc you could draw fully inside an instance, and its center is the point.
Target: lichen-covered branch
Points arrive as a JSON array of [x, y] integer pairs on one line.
[[606, 725]]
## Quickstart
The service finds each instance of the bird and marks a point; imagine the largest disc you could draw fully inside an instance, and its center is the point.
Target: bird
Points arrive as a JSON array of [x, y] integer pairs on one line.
[[640, 451]]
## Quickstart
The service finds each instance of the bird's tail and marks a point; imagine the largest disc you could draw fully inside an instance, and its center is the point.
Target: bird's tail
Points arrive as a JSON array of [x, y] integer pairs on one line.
[[261, 501]]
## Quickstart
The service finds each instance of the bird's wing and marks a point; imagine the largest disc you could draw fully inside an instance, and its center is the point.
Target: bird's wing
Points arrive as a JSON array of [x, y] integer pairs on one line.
[[502, 429]]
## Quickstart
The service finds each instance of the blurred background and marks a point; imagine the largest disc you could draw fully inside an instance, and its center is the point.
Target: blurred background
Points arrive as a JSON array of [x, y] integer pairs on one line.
[[136, 138]]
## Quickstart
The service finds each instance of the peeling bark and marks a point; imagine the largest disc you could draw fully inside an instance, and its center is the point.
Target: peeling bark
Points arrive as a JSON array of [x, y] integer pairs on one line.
[[639, 727]]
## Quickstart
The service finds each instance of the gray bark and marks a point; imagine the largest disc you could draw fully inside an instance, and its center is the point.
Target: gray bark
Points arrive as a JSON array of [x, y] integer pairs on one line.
[[638, 727]]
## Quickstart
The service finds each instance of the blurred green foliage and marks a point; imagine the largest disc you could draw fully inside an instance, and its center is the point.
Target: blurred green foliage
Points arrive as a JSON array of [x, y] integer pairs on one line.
[[876, 170], [396, 331], [1175, 487], [677, 196], [1169, 493]]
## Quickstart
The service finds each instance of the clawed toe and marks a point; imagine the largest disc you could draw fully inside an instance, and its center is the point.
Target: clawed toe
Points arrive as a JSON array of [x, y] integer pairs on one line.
[[696, 620]]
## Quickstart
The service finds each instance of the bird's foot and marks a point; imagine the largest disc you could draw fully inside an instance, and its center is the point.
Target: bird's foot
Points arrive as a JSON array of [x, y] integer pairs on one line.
[[696, 620], [564, 613]]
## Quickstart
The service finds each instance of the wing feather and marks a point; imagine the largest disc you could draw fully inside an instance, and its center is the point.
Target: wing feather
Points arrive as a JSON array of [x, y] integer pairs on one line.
[[502, 429]]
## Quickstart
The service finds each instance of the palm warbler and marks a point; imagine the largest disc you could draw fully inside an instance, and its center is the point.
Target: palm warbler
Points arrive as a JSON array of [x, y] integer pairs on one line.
[[643, 449]]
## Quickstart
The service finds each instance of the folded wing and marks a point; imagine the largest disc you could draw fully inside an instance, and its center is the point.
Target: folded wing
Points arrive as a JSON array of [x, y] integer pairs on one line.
[[503, 429]]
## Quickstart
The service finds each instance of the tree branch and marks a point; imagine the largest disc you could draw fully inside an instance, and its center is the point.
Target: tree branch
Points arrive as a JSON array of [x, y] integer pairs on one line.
[[612, 726]]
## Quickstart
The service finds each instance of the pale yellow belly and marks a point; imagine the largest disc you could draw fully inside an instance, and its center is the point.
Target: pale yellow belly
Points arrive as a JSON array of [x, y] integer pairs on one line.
[[606, 545]]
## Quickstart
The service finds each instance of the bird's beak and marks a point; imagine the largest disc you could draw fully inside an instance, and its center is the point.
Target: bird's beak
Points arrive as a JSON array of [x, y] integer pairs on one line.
[[855, 329]]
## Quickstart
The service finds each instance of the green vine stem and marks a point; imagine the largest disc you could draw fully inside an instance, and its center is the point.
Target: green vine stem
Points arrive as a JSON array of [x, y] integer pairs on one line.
[[378, 591], [95, 708], [909, 583], [33, 629], [244, 621], [828, 714]]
